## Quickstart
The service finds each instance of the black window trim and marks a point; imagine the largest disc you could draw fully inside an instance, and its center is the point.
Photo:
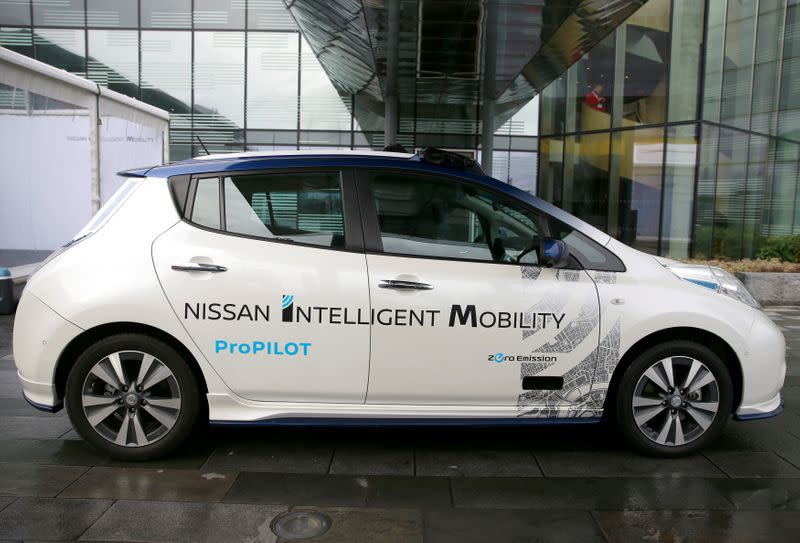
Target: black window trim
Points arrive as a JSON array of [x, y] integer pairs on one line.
[[373, 243], [353, 233]]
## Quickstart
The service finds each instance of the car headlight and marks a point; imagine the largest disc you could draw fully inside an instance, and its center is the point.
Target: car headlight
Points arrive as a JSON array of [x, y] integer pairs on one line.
[[715, 279]]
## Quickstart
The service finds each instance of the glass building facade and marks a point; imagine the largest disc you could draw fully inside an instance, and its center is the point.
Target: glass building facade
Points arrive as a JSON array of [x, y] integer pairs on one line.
[[235, 75], [679, 133]]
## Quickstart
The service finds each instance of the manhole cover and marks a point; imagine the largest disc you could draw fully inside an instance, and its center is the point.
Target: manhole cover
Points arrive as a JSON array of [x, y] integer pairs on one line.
[[300, 524]]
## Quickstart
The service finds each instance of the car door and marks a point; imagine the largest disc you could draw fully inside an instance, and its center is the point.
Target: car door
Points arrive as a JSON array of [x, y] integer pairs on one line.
[[254, 255], [464, 315]]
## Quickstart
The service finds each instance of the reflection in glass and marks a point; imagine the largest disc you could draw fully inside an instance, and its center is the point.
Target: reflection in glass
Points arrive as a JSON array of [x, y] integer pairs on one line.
[[114, 60], [218, 80], [60, 13], [554, 106], [638, 156], [684, 67], [166, 70], [161, 14], [712, 79], [738, 64], [219, 14], [321, 107], [62, 47], [272, 66], [592, 87], [706, 189], [112, 13], [551, 169], [15, 12], [646, 38], [789, 123], [679, 168], [585, 191], [729, 197]]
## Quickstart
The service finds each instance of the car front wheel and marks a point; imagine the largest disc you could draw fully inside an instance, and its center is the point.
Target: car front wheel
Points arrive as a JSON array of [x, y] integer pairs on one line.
[[133, 397], [674, 399]]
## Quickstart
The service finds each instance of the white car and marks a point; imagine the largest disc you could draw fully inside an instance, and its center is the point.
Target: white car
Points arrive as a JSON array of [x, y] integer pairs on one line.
[[341, 288]]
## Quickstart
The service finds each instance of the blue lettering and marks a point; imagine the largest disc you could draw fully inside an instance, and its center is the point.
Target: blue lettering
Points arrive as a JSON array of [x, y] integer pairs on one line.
[[220, 345]]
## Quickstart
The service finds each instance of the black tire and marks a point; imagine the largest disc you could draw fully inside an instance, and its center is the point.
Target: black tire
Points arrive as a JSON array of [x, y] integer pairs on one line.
[[678, 349], [190, 404]]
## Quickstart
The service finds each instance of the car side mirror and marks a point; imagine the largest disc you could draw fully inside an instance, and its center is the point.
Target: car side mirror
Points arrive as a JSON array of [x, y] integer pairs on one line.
[[555, 253]]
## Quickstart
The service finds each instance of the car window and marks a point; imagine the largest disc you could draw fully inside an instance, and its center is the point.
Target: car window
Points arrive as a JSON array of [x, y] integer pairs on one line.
[[299, 207], [205, 210], [438, 217], [588, 253]]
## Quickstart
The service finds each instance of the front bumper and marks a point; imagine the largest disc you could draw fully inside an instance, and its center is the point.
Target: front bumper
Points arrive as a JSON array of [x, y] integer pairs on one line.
[[763, 365]]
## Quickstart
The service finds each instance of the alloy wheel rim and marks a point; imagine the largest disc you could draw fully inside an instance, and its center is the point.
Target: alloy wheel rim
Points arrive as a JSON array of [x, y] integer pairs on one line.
[[131, 398], [675, 401]]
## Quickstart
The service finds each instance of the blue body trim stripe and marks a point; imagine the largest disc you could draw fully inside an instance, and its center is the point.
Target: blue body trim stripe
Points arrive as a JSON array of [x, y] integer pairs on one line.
[[42, 407], [433, 422], [759, 416]]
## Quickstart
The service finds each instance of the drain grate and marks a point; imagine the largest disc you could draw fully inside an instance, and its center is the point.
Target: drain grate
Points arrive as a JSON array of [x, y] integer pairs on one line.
[[300, 524]]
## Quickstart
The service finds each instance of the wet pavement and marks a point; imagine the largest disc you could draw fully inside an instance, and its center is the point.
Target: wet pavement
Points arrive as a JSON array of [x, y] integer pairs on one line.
[[391, 485]]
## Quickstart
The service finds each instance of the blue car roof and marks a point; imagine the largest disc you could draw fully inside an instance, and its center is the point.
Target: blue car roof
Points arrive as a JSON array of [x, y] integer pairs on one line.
[[375, 160]]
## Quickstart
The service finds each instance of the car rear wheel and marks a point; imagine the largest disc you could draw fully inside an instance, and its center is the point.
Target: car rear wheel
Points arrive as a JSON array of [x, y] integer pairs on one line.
[[133, 397], [674, 399]]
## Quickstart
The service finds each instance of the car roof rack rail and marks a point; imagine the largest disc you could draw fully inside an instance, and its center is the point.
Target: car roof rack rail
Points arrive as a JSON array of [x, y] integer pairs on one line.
[[449, 159]]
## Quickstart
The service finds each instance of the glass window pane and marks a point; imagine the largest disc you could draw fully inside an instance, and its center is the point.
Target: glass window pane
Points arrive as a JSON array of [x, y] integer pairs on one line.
[[638, 155], [17, 39], [646, 37], [706, 189], [172, 14], [116, 13], [715, 33], [687, 38], [114, 60], [554, 105], [206, 210], [757, 162], [430, 216], [594, 87], [269, 15], [62, 13], [789, 121], [585, 192], [272, 67], [219, 13], [167, 71], [218, 80], [15, 12], [551, 170], [321, 106], [738, 64], [63, 48], [784, 159], [300, 207], [729, 198], [679, 171]]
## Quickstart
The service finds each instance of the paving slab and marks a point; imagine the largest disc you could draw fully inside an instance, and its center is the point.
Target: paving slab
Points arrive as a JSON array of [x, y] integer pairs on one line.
[[272, 456], [623, 464], [151, 484], [370, 526], [480, 526], [372, 460], [146, 521], [758, 494], [22, 479], [476, 462], [746, 464], [408, 492], [299, 489], [32, 427], [728, 526], [50, 451], [588, 493], [49, 518]]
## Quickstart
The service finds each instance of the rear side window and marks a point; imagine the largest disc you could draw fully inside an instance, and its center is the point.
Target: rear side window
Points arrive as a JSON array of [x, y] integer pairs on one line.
[[206, 203], [299, 207]]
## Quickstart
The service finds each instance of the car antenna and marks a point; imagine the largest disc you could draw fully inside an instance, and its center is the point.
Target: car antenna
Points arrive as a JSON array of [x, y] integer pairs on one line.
[[201, 143]]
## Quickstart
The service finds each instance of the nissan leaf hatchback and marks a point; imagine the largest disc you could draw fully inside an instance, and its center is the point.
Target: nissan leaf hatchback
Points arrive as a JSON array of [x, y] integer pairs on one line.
[[377, 288]]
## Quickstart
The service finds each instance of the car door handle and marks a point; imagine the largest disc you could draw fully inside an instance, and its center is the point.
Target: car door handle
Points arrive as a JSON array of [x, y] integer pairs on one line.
[[403, 285], [199, 266]]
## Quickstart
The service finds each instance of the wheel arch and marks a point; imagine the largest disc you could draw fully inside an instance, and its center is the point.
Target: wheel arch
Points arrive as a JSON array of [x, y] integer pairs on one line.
[[697, 335], [82, 341]]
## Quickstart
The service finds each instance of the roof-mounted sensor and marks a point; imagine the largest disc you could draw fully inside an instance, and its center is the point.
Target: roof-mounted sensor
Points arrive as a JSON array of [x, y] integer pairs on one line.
[[449, 159]]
